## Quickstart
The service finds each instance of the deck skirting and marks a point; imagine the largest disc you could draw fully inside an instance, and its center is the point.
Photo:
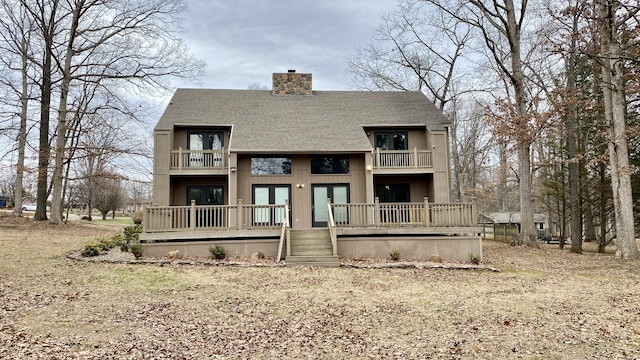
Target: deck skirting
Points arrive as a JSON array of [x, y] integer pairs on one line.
[[372, 243]]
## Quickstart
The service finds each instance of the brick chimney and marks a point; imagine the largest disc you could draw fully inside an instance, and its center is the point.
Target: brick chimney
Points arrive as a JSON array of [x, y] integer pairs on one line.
[[291, 83]]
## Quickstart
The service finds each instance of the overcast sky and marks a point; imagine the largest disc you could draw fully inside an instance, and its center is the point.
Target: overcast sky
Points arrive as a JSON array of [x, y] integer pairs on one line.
[[245, 41]]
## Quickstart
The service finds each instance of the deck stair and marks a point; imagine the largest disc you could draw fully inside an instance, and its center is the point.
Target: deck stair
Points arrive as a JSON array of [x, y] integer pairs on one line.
[[311, 248]]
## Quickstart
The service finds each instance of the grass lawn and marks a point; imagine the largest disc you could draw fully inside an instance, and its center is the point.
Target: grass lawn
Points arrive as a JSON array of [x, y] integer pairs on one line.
[[544, 304]]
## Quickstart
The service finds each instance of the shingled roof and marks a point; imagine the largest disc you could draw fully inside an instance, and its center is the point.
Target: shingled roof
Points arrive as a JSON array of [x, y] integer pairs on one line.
[[324, 122]]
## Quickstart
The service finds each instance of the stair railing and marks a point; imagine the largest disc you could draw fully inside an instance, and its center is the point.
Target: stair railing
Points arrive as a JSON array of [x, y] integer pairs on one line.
[[332, 228], [283, 230]]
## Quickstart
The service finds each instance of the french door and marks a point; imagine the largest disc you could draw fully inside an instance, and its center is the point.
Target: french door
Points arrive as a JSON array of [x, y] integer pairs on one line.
[[320, 193], [270, 195], [201, 141]]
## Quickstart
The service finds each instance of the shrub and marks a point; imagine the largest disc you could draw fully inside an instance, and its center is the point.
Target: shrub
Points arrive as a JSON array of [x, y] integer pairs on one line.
[[474, 259], [91, 249], [116, 240], [394, 255], [104, 244], [131, 233], [136, 250], [218, 252], [137, 217]]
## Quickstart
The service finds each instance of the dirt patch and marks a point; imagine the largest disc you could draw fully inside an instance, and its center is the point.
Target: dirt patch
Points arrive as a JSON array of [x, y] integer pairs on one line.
[[543, 304]]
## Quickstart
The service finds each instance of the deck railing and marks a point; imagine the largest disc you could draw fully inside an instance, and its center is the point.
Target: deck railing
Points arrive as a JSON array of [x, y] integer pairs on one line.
[[398, 159], [197, 159], [422, 214], [214, 217], [331, 224], [276, 217], [283, 231]]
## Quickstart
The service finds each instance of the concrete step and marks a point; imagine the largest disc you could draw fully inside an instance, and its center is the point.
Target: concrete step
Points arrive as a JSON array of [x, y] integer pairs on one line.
[[326, 261]]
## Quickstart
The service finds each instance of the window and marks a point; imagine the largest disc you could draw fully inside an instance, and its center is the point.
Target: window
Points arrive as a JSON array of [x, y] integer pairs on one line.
[[334, 164], [270, 166], [205, 140], [391, 140], [205, 195]]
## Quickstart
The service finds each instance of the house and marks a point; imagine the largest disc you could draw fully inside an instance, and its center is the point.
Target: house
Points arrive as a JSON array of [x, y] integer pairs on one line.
[[508, 224], [307, 175]]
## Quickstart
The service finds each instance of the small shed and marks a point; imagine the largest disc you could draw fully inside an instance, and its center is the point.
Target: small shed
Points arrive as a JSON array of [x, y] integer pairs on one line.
[[505, 225]]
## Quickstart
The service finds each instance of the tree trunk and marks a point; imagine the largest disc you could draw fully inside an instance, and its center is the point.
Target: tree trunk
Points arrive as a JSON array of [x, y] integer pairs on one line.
[[572, 147], [457, 191], [615, 110], [48, 27], [527, 229], [603, 208], [61, 141], [22, 134]]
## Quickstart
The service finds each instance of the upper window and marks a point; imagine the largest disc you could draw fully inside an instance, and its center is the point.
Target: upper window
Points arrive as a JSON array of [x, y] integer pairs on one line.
[[391, 140], [334, 164], [270, 166], [205, 140]]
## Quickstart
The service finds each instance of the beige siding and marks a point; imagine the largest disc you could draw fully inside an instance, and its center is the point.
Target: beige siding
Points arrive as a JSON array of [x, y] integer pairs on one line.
[[301, 175], [441, 181], [161, 163]]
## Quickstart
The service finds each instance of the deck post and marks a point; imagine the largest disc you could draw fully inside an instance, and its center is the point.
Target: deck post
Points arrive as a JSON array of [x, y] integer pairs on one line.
[[192, 216], [376, 212], [180, 157], [426, 211], [378, 165], [145, 218], [239, 215], [415, 157]]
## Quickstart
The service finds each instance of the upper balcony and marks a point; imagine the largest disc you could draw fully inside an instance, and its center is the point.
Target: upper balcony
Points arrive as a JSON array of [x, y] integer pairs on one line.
[[402, 161], [198, 162]]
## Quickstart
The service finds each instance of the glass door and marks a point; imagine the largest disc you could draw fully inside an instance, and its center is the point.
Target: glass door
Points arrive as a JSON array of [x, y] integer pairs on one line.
[[270, 195], [202, 141], [338, 193]]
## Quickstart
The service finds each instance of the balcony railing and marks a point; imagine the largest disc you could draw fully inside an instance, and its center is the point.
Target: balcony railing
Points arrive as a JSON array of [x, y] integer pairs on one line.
[[197, 159], [423, 214], [402, 159]]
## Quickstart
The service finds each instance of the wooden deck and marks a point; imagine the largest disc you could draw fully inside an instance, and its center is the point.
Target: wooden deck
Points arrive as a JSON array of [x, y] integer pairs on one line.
[[353, 230]]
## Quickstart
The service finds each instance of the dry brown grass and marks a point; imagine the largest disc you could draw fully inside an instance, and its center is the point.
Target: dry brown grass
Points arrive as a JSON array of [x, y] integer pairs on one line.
[[544, 304]]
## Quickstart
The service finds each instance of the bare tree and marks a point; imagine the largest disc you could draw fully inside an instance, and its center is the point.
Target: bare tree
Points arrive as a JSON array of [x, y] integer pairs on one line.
[[107, 193], [417, 48], [500, 22], [15, 31], [612, 15], [44, 15], [136, 47]]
